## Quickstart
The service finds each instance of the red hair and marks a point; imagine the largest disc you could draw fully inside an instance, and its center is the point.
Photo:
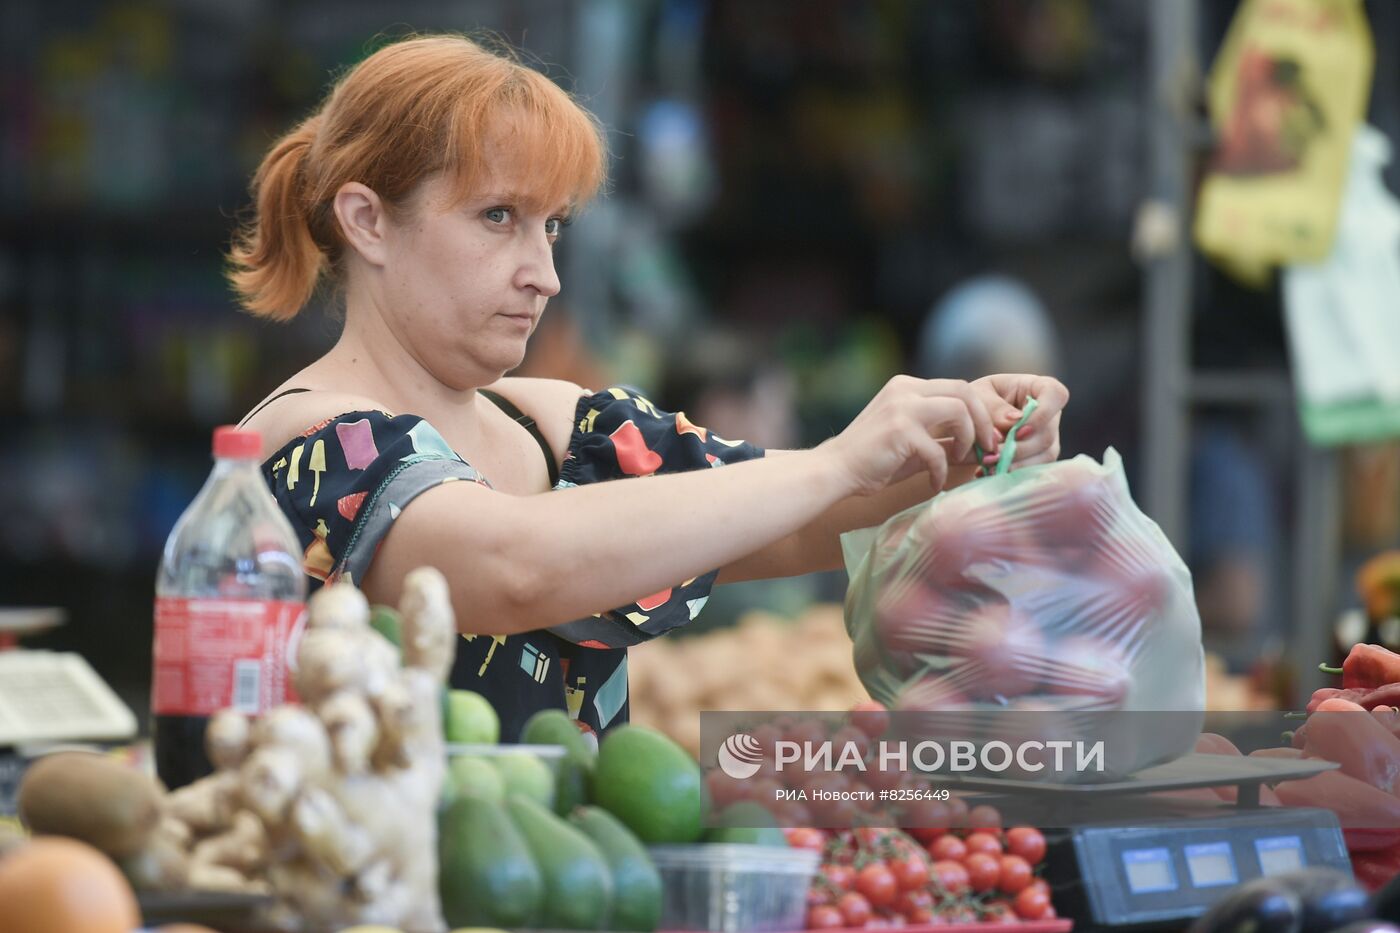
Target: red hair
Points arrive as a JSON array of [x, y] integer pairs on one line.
[[414, 108]]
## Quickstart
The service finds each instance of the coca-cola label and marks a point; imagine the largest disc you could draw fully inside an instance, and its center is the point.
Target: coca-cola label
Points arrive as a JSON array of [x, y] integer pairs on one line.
[[213, 654]]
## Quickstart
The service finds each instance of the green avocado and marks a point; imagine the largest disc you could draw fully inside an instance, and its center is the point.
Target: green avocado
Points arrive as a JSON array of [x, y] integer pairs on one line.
[[578, 885], [486, 874], [636, 882]]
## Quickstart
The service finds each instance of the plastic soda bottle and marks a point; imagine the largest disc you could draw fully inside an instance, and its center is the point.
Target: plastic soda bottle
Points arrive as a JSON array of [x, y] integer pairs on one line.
[[230, 598]]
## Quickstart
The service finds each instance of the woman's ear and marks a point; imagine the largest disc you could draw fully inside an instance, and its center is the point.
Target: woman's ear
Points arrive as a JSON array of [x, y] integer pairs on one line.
[[363, 221]]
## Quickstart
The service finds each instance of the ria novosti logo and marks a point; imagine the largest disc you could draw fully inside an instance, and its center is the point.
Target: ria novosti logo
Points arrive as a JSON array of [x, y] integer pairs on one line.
[[740, 756]]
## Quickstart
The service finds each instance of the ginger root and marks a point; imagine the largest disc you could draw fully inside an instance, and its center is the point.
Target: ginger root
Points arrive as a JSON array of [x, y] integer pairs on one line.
[[329, 807]]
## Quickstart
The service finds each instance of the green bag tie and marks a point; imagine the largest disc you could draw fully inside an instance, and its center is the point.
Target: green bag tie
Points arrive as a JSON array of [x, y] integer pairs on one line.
[[1008, 449]]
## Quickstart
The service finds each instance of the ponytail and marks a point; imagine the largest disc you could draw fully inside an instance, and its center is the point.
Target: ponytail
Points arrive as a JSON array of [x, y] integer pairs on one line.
[[275, 261]]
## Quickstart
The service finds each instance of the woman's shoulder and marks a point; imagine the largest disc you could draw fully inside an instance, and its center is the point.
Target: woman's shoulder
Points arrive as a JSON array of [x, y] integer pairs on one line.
[[550, 403], [293, 415]]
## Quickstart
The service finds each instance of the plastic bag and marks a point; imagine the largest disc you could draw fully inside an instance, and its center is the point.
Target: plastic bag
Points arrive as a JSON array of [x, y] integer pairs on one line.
[[1043, 589], [1342, 327]]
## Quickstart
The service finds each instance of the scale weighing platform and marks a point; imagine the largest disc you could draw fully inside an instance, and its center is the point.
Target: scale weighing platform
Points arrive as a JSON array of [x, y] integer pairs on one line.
[[1129, 861]]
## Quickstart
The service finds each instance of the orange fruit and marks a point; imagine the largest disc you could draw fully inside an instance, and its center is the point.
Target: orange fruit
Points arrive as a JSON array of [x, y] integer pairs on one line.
[[56, 885]]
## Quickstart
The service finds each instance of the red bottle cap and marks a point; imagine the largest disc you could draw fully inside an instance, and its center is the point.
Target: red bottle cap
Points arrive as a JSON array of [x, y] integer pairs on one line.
[[231, 441]]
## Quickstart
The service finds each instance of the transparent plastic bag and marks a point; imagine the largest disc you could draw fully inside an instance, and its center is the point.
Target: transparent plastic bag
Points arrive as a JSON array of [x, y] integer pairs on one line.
[[1042, 589]]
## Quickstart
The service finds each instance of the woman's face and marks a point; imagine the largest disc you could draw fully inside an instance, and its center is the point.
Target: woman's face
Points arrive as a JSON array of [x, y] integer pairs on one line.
[[466, 284]]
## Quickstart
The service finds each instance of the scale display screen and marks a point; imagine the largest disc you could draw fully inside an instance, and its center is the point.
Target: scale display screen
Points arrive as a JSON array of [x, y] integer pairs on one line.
[[1211, 864], [1149, 870], [1279, 854]]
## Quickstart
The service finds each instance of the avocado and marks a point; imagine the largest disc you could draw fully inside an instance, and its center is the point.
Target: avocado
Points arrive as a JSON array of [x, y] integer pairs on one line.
[[574, 775], [486, 874], [651, 784], [556, 727], [636, 882], [573, 783], [578, 885]]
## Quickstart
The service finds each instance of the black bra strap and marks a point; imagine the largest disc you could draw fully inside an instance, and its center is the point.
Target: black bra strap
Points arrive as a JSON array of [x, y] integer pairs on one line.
[[528, 423], [269, 402]]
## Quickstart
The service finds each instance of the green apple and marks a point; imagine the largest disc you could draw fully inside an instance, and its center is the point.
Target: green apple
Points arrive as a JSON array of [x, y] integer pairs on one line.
[[476, 777], [471, 719], [525, 774]]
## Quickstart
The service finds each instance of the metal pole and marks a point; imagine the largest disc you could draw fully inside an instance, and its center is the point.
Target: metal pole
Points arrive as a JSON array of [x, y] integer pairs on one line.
[[1166, 370]]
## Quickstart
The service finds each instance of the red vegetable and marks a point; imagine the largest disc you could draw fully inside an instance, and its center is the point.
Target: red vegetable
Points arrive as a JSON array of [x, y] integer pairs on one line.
[[1374, 869], [1370, 666], [1343, 732], [1370, 818]]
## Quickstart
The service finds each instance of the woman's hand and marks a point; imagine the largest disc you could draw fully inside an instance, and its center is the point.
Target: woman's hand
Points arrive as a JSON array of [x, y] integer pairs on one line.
[[1038, 441], [913, 426]]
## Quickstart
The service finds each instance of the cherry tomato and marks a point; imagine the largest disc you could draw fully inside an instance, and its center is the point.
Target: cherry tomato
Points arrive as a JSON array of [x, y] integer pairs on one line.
[[984, 818], [878, 884], [920, 917], [895, 920], [1027, 842], [824, 917], [855, 908], [870, 717], [983, 842], [948, 847], [913, 900], [949, 876], [1016, 874], [957, 813], [805, 837], [998, 912], [840, 877], [1032, 904], [983, 871], [1042, 885], [911, 872]]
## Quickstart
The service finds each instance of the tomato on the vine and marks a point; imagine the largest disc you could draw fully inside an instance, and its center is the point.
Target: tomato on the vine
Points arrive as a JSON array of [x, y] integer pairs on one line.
[[911, 872], [984, 817], [1016, 874], [912, 900], [824, 917], [983, 842], [1027, 842], [983, 871], [1032, 904], [950, 876], [878, 884], [840, 877], [855, 908], [998, 912], [805, 837], [948, 847]]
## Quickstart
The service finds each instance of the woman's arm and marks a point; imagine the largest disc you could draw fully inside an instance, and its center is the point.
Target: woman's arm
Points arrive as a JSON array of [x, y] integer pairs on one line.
[[518, 563], [817, 545]]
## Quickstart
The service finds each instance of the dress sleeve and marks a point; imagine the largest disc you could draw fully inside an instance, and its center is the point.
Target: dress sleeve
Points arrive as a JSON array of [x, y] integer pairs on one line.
[[620, 434], [342, 483]]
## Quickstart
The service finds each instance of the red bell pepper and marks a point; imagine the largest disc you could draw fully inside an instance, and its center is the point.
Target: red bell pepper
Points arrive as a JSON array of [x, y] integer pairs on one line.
[[1343, 732], [1370, 818], [1374, 869], [1369, 666]]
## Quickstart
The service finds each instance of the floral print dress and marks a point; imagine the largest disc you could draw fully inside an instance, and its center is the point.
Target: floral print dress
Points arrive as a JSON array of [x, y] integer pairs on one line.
[[343, 482]]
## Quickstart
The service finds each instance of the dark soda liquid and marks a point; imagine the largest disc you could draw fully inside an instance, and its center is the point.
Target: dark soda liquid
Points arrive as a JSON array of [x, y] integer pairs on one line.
[[179, 749]]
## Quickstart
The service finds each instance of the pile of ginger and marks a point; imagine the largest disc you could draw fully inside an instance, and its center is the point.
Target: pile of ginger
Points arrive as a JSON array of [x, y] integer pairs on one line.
[[328, 807]]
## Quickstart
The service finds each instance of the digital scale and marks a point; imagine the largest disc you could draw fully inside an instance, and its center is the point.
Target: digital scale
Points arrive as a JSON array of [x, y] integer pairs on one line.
[[1130, 861]]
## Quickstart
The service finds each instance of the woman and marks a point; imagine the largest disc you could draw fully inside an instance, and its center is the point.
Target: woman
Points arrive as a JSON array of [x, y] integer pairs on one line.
[[430, 188]]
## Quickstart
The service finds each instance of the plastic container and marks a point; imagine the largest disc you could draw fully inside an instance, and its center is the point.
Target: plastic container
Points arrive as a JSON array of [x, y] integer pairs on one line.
[[730, 888], [549, 754], [229, 596]]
